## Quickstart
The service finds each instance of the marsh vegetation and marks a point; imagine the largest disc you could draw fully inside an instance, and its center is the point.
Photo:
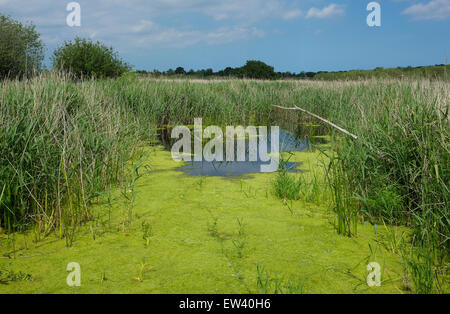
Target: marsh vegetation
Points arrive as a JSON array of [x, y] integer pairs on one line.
[[75, 156]]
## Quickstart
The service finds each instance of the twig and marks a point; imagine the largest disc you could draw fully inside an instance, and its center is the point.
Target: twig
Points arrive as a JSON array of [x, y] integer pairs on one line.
[[321, 119]]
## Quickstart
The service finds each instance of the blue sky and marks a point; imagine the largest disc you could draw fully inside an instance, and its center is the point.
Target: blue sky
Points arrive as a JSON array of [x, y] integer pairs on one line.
[[291, 35]]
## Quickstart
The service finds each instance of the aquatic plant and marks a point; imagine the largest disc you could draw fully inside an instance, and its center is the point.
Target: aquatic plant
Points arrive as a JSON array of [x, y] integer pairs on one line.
[[286, 186], [266, 284]]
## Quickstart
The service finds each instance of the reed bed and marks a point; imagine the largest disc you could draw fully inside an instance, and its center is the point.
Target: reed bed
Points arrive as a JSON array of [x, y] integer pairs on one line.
[[62, 143]]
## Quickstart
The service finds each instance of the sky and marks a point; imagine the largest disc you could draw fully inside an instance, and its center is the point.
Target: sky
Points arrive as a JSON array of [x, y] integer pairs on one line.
[[291, 35]]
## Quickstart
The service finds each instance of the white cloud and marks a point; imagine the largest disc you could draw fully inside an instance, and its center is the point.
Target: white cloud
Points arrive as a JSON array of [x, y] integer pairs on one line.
[[249, 10], [433, 10], [154, 23], [327, 12], [142, 25], [292, 14], [172, 37]]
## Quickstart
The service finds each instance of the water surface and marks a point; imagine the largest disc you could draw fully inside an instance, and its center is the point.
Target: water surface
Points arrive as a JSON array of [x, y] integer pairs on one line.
[[288, 143]]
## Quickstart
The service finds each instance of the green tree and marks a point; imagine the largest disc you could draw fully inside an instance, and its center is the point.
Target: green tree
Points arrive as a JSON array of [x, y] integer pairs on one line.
[[85, 58], [180, 71], [258, 70], [21, 49]]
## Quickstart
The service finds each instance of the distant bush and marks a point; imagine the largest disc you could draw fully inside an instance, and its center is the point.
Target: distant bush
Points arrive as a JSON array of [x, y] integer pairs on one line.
[[85, 58], [180, 71], [21, 50]]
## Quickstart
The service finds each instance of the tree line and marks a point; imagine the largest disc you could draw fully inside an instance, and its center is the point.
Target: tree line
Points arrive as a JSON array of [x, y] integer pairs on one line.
[[259, 70], [253, 69]]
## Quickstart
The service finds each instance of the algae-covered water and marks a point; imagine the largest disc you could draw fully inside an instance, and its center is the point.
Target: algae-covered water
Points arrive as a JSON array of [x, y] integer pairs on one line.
[[195, 234]]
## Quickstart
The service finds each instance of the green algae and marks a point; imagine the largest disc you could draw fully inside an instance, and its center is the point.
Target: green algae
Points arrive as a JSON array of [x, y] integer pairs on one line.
[[207, 235]]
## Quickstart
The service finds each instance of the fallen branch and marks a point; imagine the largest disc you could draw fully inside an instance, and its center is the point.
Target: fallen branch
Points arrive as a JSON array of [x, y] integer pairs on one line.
[[321, 119]]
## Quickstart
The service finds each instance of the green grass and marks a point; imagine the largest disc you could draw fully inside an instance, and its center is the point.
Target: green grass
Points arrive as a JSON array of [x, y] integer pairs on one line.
[[287, 187]]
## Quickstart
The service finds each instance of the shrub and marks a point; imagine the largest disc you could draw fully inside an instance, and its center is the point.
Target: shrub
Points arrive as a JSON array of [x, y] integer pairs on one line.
[[21, 50], [85, 58]]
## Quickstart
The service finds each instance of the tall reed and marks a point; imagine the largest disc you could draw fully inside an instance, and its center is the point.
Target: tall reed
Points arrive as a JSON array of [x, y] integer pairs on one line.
[[60, 144]]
